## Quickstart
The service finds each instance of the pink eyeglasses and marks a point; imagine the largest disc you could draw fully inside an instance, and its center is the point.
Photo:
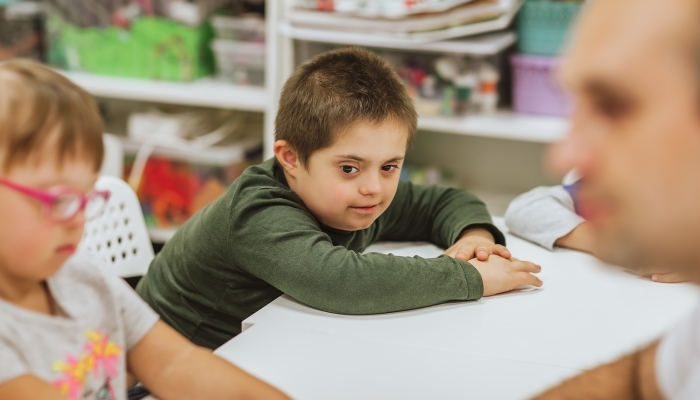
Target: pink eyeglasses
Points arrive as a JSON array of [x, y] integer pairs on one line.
[[63, 204]]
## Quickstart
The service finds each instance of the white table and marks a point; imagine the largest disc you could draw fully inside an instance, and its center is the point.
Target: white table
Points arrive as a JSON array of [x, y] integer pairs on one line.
[[312, 365], [585, 314], [510, 346]]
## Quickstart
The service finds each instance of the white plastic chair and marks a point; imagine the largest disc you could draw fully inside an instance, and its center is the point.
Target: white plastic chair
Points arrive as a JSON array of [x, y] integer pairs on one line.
[[113, 164], [119, 235]]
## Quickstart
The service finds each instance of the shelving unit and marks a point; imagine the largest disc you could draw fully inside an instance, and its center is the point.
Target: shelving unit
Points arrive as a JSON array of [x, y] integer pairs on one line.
[[202, 93], [280, 62], [502, 125], [160, 235]]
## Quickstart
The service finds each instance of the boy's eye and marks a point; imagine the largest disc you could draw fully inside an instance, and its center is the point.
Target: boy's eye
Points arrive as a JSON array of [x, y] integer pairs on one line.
[[349, 169], [390, 167]]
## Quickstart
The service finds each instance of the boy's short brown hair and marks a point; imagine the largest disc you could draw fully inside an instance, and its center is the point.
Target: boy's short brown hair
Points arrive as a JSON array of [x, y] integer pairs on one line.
[[39, 107], [334, 90]]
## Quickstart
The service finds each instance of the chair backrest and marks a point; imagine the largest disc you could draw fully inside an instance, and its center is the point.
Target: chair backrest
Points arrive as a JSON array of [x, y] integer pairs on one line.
[[119, 235], [113, 164]]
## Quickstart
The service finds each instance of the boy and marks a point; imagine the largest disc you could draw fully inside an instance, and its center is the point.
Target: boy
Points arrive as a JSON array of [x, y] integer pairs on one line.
[[66, 330], [298, 223]]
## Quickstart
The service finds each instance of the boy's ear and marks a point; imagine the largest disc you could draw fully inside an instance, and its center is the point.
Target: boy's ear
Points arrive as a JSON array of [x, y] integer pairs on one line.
[[286, 157]]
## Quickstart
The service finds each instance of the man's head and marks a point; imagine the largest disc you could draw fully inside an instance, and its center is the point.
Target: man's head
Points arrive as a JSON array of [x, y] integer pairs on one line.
[[343, 127], [634, 70], [50, 137]]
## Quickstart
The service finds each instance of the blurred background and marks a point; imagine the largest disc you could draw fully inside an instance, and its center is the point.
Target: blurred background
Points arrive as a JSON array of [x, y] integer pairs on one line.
[[189, 89]]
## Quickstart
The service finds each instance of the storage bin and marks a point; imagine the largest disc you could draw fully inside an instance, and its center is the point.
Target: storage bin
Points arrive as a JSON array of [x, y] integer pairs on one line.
[[20, 31], [152, 48], [249, 28], [242, 63], [535, 86], [544, 25], [176, 184]]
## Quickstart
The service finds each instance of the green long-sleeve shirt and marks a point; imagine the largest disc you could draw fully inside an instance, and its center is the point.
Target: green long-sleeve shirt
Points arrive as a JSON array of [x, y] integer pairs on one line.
[[259, 241]]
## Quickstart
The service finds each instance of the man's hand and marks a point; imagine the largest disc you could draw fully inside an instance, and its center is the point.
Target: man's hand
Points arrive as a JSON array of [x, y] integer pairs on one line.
[[476, 243], [669, 277], [659, 276], [502, 275]]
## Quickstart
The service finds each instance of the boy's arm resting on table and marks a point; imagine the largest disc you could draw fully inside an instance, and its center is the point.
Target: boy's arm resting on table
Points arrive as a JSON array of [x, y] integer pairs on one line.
[[29, 387], [545, 215], [283, 245], [435, 214], [173, 368], [632, 377]]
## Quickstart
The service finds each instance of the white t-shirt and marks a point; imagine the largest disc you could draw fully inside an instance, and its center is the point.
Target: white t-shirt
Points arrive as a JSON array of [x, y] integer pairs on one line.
[[82, 349], [678, 360], [543, 215]]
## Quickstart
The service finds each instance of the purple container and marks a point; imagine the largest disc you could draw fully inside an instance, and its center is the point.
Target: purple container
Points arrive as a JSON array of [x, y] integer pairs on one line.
[[535, 86]]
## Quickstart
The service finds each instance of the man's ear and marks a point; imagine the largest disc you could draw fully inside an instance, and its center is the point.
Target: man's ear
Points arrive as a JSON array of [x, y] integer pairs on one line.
[[287, 157]]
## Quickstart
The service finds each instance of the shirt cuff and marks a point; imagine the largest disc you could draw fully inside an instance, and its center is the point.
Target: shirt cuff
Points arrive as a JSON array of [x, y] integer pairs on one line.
[[498, 236], [475, 284]]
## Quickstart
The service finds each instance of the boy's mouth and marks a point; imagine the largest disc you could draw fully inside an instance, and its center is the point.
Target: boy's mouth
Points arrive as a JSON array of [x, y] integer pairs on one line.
[[365, 209]]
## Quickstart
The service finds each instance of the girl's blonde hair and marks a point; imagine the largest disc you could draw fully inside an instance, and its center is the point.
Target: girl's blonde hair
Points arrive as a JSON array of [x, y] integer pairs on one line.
[[40, 107]]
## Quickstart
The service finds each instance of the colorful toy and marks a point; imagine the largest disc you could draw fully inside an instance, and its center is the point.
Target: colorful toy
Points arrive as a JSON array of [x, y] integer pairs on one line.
[[171, 191]]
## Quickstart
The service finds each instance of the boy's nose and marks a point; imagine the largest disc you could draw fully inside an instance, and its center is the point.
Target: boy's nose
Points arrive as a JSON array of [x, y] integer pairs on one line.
[[370, 186]]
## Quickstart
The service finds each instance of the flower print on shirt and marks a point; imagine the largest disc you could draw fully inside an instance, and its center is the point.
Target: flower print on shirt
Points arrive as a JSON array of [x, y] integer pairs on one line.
[[99, 356]]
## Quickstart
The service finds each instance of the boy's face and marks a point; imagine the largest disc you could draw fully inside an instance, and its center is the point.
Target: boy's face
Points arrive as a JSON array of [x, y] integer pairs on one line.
[[32, 248], [348, 185]]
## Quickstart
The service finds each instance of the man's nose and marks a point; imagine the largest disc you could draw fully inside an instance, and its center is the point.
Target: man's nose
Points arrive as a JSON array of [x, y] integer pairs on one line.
[[574, 152]]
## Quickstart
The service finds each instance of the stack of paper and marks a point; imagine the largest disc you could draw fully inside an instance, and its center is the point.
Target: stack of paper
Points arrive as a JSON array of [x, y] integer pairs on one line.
[[422, 20]]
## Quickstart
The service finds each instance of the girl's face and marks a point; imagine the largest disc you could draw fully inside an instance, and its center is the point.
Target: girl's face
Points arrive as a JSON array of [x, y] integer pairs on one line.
[[32, 247]]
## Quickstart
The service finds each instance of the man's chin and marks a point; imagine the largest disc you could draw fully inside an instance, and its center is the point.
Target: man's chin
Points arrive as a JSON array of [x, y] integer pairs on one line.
[[620, 251]]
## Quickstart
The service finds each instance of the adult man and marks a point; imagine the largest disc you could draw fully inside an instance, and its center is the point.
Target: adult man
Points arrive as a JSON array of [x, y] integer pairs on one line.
[[634, 71]]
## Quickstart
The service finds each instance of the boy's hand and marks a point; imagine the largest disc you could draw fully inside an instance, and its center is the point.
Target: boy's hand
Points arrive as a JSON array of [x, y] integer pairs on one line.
[[502, 275], [476, 243]]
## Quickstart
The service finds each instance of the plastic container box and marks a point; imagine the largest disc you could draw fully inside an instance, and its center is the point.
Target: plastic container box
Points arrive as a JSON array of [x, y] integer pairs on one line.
[[241, 63], [544, 25], [20, 31], [249, 28], [176, 184], [152, 48], [535, 86]]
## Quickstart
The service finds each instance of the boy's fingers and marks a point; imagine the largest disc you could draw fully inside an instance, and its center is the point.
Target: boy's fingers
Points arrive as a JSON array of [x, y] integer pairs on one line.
[[462, 256], [526, 266], [482, 253], [671, 277], [529, 279], [502, 251]]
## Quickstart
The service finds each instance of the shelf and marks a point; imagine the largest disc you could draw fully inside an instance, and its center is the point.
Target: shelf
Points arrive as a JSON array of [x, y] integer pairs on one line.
[[483, 45], [321, 26], [160, 235], [202, 93], [502, 125]]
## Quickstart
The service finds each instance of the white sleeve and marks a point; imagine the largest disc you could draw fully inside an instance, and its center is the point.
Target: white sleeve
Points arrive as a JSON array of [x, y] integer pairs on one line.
[[138, 317], [678, 360], [12, 363], [543, 215]]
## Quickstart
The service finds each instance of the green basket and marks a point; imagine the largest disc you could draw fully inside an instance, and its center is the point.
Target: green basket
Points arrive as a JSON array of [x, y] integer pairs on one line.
[[543, 26], [153, 48]]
